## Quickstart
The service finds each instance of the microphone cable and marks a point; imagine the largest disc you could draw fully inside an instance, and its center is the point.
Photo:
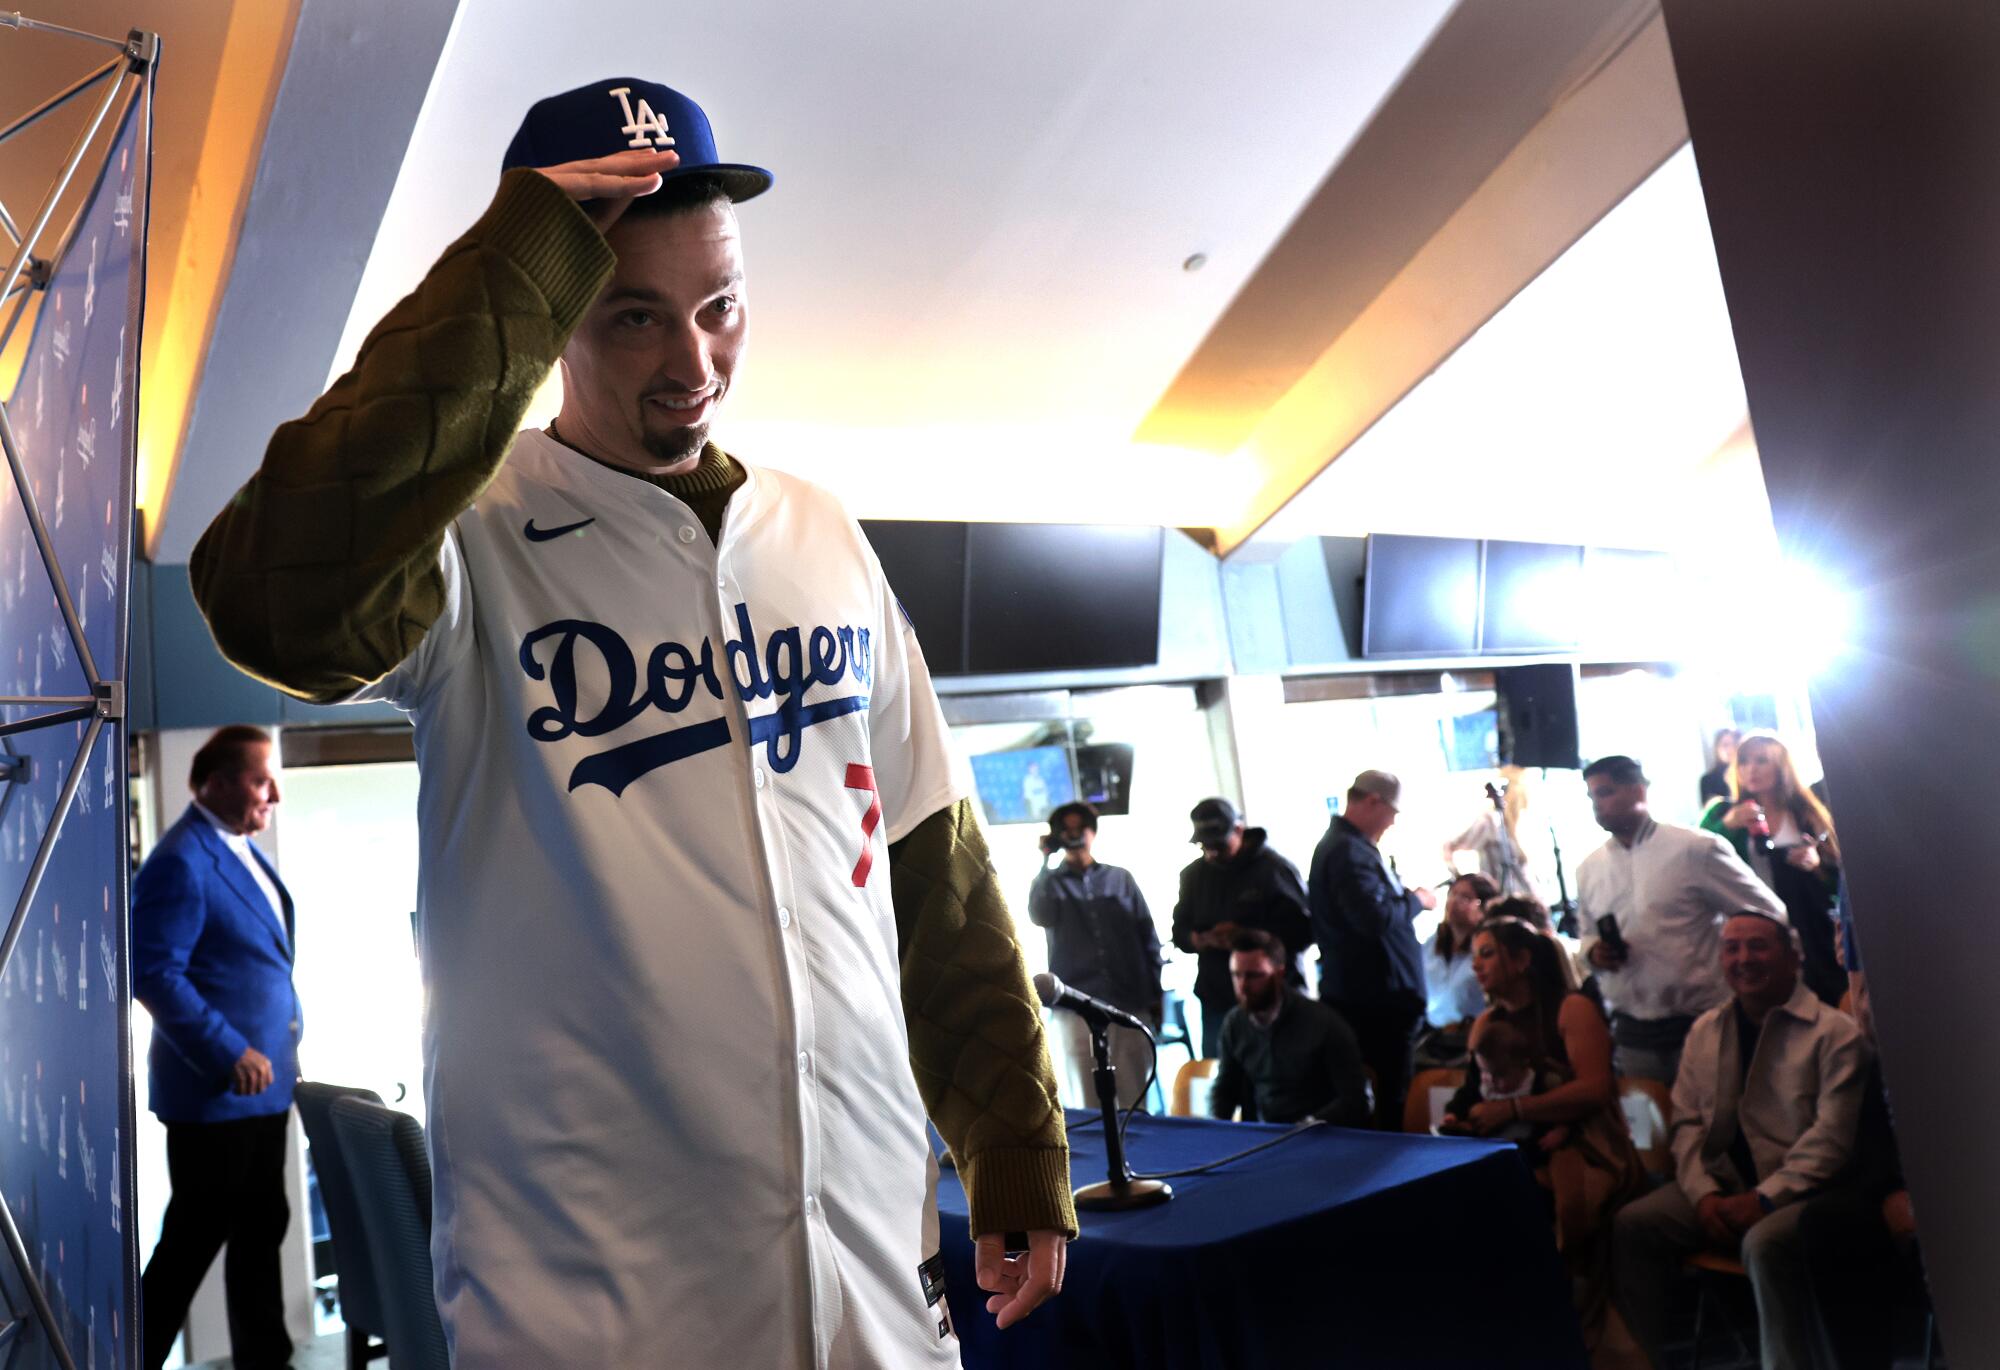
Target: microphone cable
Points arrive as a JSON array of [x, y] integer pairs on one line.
[[1153, 1074]]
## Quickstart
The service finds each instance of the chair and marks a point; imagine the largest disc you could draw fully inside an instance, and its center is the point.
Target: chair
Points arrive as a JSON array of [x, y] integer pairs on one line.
[[1184, 1078], [1174, 1024], [1173, 1033], [384, 1151], [1648, 1106], [360, 1301], [1423, 1107], [1706, 1266]]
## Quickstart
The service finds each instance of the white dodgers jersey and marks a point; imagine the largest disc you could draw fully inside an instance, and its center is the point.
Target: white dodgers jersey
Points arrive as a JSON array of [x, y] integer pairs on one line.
[[672, 1118]]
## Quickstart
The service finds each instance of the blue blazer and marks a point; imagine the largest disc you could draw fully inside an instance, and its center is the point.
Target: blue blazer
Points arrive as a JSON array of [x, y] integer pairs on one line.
[[215, 971]]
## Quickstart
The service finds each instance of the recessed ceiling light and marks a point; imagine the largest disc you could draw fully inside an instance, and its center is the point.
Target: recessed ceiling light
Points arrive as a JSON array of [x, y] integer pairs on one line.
[[1196, 262]]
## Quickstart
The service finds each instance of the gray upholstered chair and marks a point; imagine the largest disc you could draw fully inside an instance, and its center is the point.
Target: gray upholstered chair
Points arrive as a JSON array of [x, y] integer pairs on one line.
[[360, 1303], [384, 1152]]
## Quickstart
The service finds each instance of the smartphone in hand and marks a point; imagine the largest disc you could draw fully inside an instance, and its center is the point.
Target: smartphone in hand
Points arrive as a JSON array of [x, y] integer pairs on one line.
[[1607, 933]]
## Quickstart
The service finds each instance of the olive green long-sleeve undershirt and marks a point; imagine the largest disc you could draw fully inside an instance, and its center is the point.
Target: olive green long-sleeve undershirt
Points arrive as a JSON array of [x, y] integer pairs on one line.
[[321, 576]]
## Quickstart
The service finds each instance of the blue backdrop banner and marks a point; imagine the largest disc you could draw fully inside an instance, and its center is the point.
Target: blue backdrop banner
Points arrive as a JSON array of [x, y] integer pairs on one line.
[[66, 1096]]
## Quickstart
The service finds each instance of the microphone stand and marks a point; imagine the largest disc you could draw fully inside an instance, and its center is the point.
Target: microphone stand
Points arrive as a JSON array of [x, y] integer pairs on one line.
[[1566, 921], [1121, 1190]]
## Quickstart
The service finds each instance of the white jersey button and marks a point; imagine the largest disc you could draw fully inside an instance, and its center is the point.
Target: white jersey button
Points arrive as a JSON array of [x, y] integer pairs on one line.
[[805, 1063], [784, 918], [760, 777], [721, 583], [686, 533], [812, 1205]]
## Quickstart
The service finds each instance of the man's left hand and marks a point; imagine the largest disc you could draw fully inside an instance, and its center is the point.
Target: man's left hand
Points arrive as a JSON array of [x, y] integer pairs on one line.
[[1741, 1212], [1018, 1285]]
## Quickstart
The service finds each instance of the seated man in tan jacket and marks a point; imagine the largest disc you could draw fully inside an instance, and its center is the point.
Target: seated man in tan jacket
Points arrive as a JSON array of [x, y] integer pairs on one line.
[[1765, 1109]]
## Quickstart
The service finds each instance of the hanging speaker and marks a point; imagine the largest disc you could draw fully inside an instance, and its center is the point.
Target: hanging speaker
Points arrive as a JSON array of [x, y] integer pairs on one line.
[[1537, 706]]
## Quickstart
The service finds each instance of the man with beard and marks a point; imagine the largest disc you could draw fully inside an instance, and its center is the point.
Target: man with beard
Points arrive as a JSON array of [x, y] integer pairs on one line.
[[1283, 1056], [707, 926]]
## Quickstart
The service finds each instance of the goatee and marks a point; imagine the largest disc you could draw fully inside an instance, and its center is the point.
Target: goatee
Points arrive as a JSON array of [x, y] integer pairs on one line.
[[678, 445]]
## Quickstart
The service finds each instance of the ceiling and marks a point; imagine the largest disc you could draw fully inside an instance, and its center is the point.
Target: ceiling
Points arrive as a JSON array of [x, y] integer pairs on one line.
[[1602, 405], [971, 295]]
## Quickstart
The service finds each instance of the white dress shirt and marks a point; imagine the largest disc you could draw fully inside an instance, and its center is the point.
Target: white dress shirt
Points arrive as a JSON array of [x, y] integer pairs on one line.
[[240, 844], [1670, 890]]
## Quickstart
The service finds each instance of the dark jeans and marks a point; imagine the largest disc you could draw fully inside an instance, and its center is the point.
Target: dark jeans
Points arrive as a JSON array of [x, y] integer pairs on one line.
[[228, 1186], [1387, 1033], [1649, 1047], [1858, 1273]]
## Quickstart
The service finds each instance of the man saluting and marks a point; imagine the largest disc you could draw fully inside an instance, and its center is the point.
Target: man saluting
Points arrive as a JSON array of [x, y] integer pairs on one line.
[[707, 926]]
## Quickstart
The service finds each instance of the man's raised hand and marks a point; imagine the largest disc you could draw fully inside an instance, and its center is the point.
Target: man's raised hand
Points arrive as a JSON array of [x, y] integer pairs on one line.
[[607, 186]]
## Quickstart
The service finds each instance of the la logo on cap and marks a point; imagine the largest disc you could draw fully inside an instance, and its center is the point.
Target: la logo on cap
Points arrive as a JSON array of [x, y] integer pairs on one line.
[[644, 127]]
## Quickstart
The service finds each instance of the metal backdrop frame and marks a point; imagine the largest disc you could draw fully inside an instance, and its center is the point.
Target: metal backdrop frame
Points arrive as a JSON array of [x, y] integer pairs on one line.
[[125, 78]]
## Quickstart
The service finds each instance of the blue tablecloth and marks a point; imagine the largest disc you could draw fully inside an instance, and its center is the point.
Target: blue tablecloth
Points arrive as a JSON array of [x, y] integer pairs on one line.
[[1339, 1248]]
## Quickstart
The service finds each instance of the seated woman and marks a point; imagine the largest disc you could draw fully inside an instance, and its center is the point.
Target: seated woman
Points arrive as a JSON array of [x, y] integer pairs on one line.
[[1594, 1168], [1780, 828], [1536, 916], [1453, 993]]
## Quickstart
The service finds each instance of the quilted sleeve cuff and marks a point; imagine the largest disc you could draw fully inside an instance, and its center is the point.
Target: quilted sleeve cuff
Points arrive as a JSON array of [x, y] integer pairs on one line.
[[549, 237], [1019, 1190]]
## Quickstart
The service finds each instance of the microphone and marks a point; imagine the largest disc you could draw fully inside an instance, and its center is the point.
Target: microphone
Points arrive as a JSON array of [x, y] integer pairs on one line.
[[1055, 994], [1120, 1188]]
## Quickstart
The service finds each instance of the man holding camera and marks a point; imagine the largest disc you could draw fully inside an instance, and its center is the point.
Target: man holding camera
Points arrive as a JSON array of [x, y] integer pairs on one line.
[[1101, 941], [1653, 900]]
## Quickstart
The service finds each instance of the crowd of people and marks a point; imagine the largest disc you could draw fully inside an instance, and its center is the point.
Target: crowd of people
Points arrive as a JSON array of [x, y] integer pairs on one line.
[[1717, 961]]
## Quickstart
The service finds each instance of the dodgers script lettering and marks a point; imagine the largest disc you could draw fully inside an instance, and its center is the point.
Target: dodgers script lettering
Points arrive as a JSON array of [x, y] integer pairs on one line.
[[674, 675]]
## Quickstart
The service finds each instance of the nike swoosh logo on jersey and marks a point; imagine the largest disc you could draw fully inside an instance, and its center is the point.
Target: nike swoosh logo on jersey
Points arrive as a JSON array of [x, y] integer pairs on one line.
[[535, 534]]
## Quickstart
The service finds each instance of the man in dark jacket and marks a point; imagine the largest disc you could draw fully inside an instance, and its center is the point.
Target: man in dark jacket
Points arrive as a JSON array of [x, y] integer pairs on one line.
[[1369, 965], [1238, 883], [1283, 1056]]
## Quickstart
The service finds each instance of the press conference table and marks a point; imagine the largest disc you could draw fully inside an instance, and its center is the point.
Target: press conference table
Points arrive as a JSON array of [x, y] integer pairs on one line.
[[1338, 1248]]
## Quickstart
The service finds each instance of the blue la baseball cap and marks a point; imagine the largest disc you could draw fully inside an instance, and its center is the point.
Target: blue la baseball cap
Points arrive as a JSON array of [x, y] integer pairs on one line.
[[621, 114]]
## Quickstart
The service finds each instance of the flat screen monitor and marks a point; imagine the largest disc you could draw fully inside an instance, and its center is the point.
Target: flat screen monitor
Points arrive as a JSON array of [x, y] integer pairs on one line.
[[1471, 741], [1062, 597], [925, 566], [1023, 784], [1532, 600], [1420, 597], [1104, 776]]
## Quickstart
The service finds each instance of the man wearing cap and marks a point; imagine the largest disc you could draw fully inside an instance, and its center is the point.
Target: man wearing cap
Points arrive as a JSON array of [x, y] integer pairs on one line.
[[1653, 899], [1370, 967], [707, 926], [1239, 882]]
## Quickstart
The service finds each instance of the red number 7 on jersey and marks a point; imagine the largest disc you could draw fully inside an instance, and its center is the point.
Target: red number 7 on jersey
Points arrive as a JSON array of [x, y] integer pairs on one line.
[[863, 778]]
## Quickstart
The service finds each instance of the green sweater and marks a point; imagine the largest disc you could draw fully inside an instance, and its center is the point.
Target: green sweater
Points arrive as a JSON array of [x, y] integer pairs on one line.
[[321, 576]]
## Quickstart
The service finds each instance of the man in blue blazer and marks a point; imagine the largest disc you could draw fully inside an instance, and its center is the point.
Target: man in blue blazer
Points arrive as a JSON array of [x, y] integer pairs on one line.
[[212, 962]]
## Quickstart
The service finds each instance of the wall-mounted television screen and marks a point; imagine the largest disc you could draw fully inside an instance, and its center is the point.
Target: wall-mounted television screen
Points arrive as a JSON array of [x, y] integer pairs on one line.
[[1104, 776], [1471, 741], [1021, 785]]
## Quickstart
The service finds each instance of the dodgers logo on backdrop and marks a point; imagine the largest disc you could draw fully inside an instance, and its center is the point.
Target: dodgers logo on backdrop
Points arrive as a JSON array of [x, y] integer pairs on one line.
[[789, 662], [643, 127]]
